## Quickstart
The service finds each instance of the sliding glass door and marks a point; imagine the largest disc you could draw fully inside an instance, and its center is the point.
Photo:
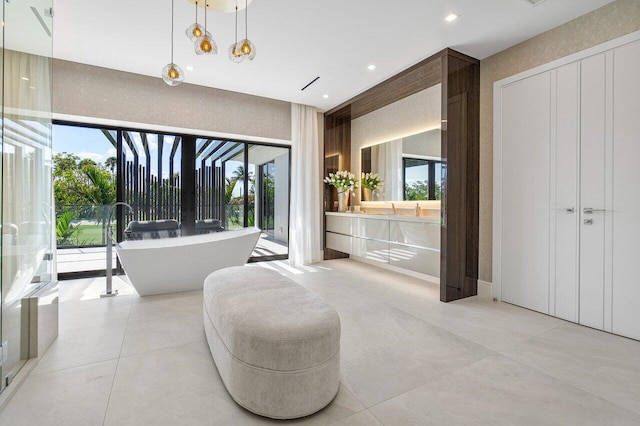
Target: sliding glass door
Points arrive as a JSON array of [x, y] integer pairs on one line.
[[201, 185]]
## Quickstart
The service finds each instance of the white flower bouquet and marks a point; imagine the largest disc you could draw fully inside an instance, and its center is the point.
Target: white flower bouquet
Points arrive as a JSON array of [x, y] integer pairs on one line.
[[343, 180], [371, 181]]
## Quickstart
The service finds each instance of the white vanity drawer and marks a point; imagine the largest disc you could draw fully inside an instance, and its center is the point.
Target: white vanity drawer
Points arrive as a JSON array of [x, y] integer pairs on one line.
[[415, 259], [371, 228], [339, 242], [339, 224], [374, 251], [418, 234]]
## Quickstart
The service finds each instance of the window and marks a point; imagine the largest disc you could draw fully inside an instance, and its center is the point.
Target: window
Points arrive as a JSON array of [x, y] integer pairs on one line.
[[422, 179], [204, 184]]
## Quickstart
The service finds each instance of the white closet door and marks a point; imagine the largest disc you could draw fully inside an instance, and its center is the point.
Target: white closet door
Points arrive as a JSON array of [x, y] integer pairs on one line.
[[526, 110], [567, 149], [626, 192], [592, 191]]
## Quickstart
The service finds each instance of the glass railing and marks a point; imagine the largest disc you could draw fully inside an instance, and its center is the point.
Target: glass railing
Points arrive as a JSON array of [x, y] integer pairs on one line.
[[82, 225]]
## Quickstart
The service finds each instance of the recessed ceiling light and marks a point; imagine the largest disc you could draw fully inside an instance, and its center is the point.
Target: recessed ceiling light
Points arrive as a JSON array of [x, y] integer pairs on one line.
[[451, 17], [325, 96], [189, 68], [371, 67]]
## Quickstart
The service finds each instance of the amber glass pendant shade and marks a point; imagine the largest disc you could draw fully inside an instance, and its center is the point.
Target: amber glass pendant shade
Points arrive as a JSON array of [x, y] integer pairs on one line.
[[172, 74]]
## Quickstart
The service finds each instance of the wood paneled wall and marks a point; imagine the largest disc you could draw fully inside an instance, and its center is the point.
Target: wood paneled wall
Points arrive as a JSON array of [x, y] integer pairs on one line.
[[460, 78]]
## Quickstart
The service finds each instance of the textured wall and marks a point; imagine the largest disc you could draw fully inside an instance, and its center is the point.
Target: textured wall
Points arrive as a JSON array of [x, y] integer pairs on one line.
[[408, 116], [89, 91], [609, 22]]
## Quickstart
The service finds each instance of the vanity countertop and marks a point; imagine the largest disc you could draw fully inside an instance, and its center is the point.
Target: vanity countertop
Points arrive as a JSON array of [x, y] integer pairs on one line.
[[396, 217]]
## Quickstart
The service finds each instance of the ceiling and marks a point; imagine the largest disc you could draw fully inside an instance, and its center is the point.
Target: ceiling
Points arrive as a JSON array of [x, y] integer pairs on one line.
[[298, 40]]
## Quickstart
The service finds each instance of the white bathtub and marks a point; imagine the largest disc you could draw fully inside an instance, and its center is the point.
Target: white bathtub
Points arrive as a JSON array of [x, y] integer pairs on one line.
[[172, 265]]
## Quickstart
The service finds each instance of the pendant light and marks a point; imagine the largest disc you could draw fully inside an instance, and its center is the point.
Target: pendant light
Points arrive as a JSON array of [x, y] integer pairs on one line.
[[195, 30], [246, 46], [234, 50], [205, 44], [171, 73]]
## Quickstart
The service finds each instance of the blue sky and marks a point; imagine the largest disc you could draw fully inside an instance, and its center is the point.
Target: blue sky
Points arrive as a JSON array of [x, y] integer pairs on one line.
[[93, 144]]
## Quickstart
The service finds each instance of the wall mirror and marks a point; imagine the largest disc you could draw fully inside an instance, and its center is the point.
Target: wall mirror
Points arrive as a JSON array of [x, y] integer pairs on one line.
[[410, 168]]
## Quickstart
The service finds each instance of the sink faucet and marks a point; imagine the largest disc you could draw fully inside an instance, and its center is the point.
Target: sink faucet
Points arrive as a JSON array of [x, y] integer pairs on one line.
[[393, 206]]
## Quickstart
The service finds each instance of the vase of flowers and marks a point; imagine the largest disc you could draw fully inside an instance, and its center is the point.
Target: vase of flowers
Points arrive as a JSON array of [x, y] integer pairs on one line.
[[344, 182], [371, 182]]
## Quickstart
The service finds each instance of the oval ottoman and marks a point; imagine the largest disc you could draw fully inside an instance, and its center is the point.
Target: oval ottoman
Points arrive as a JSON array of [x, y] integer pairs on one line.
[[276, 344]]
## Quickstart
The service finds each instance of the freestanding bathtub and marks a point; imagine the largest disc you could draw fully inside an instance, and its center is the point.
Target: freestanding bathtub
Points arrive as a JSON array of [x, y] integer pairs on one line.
[[172, 265]]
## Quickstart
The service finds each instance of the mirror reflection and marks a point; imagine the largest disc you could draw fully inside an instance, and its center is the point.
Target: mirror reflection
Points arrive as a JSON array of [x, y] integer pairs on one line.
[[410, 168]]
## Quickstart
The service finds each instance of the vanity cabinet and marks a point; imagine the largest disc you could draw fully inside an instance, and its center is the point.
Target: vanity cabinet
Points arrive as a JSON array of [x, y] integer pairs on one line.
[[415, 246], [403, 242]]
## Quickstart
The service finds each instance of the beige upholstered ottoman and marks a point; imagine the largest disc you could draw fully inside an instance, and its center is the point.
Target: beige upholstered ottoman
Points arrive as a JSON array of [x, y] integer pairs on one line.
[[275, 343]]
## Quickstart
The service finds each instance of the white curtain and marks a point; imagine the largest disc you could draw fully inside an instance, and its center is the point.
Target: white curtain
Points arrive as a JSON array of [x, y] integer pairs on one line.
[[305, 243], [390, 166]]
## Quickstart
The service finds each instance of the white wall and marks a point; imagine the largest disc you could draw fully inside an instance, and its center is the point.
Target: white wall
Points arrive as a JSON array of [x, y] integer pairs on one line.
[[425, 144]]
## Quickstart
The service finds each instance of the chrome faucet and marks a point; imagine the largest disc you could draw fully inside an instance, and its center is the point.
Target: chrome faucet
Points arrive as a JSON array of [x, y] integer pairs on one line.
[[109, 292]]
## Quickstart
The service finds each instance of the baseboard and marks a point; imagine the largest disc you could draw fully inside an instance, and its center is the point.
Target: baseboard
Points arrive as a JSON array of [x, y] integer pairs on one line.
[[403, 271], [485, 290]]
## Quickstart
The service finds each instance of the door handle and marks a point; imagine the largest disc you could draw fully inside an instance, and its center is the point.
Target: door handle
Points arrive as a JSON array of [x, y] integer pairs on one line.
[[567, 209], [588, 221], [590, 210]]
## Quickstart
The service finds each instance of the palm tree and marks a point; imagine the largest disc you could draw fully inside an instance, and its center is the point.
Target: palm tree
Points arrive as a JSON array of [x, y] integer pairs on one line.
[[110, 163], [239, 175], [101, 193]]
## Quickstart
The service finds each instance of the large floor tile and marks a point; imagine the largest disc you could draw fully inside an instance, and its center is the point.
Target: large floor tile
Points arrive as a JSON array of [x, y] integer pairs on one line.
[[82, 346], [386, 352], [363, 418], [159, 308], [498, 390], [601, 363], [90, 289], [180, 385], [72, 397], [100, 313], [494, 325], [160, 333]]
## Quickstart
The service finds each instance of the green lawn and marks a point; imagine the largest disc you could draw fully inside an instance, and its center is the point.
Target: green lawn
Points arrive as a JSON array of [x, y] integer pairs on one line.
[[88, 235]]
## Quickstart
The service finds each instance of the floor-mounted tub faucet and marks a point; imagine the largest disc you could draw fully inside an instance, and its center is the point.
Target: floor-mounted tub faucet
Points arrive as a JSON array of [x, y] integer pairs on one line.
[[109, 292]]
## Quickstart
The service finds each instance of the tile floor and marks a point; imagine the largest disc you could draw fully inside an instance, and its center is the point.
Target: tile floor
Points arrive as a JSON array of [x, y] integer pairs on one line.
[[407, 359]]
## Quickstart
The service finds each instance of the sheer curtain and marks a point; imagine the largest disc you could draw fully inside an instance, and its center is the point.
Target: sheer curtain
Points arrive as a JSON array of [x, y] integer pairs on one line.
[[390, 165], [305, 244]]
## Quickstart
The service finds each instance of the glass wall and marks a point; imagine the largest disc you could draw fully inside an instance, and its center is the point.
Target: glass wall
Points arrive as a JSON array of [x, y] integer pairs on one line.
[[26, 173], [193, 184], [269, 177], [84, 187]]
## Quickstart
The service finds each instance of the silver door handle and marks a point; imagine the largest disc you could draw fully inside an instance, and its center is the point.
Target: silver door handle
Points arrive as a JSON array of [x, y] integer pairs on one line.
[[588, 221], [566, 209], [590, 210]]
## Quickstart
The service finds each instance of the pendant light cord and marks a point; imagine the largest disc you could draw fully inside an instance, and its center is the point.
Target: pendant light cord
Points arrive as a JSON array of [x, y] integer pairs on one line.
[[172, 2], [196, 12], [236, 22], [246, 19], [206, 6]]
